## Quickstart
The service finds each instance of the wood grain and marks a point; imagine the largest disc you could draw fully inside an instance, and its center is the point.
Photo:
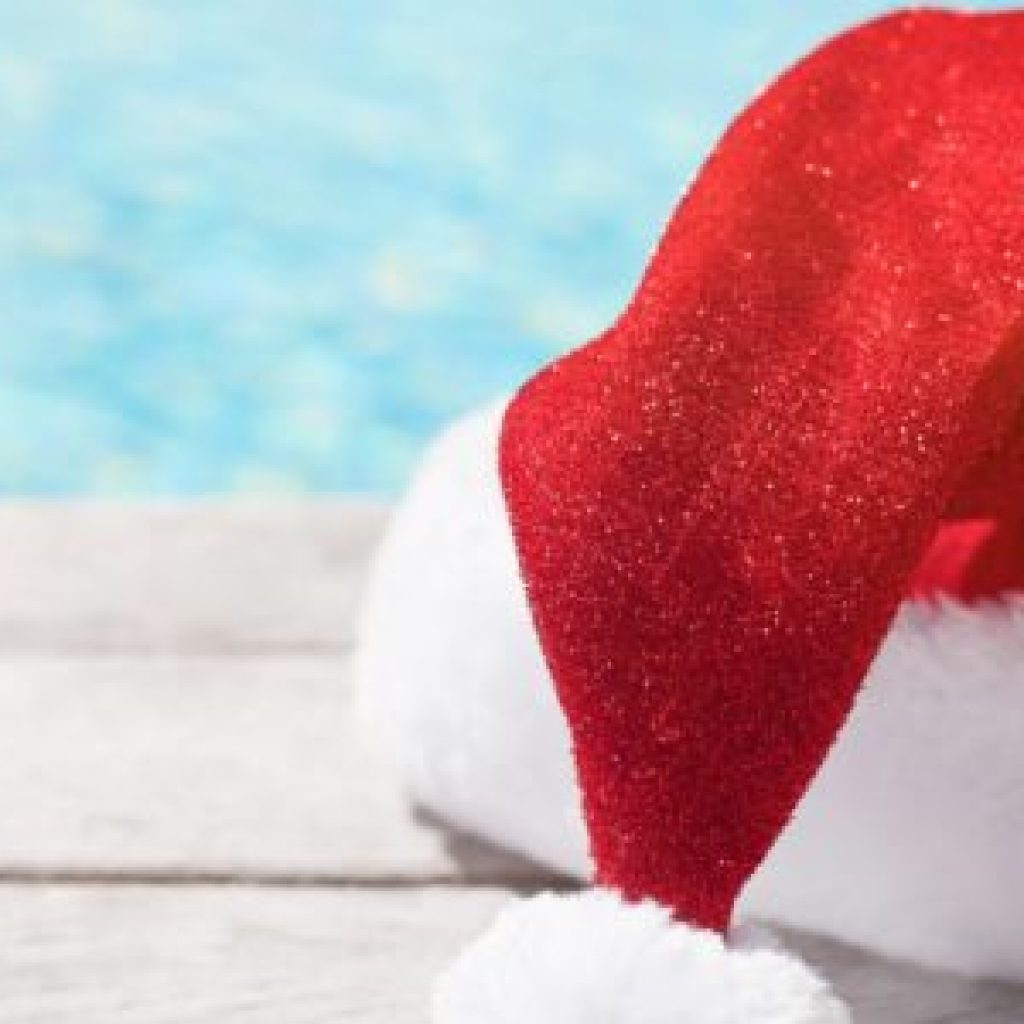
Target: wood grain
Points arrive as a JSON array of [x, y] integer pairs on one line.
[[242, 766], [86, 576], [140, 955]]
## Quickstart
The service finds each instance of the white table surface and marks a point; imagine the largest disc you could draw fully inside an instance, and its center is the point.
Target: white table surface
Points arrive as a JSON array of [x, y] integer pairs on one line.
[[193, 827]]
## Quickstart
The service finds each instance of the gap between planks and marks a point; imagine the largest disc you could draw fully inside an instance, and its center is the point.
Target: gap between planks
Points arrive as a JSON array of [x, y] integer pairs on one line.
[[524, 884]]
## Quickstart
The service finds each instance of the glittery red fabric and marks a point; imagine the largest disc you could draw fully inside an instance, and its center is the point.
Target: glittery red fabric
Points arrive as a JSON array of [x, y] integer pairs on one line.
[[814, 398]]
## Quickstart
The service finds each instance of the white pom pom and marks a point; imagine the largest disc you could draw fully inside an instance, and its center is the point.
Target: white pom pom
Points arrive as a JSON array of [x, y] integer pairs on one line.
[[590, 957]]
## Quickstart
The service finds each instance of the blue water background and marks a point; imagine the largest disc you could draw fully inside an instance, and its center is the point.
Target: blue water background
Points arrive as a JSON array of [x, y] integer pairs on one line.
[[262, 246]]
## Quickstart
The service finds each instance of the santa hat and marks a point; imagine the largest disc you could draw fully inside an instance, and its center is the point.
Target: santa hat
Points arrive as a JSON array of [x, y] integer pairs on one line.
[[812, 409]]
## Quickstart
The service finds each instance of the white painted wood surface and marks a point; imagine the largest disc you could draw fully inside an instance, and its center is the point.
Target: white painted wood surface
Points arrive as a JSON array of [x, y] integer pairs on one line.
[[239, 765], [215, 576], [193, 826], [218, 955], [214, 954]]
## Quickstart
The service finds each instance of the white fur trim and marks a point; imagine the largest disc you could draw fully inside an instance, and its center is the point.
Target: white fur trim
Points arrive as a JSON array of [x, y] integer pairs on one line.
[[450, 673], [590, 958], [910, 841]]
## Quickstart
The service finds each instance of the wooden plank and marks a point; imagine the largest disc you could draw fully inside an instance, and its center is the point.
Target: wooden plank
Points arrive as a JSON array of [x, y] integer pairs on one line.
[[883, 991], [234, 766], [167, 576], [121, 955], [113, 955]]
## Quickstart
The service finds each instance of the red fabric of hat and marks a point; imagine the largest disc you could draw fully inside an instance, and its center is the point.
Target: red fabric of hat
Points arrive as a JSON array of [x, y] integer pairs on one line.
[[813, 405]]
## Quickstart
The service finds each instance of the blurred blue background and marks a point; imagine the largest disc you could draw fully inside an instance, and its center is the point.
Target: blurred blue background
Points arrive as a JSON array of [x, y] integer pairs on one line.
[[260, 245]]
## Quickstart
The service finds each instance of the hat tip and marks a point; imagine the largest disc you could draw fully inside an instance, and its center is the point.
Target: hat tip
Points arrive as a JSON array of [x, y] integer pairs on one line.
[[576, 958]]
